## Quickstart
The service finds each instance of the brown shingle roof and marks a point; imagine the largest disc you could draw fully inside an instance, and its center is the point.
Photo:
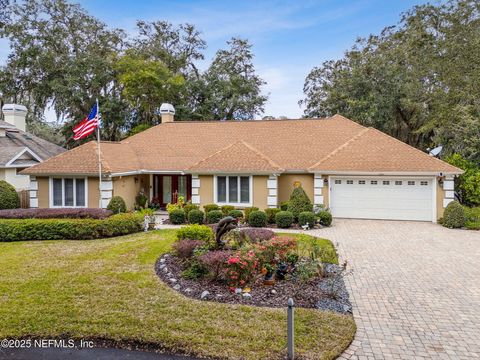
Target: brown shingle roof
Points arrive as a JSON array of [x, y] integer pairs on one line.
[[250, 146]]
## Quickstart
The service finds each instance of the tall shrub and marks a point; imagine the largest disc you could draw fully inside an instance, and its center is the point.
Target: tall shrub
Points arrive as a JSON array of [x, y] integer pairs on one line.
[[299, 202], [9, 198], [117, 205], [454, 215]]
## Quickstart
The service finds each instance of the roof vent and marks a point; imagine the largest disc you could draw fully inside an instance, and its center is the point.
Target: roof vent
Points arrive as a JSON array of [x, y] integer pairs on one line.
[[167, 111]]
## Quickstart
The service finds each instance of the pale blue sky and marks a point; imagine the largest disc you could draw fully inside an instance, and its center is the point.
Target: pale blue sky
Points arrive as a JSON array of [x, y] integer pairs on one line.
[[289, 37]]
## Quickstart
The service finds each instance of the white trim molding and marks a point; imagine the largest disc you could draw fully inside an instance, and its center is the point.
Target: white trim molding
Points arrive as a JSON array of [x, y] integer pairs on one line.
[[318, 190], [33, 192], [195, 190], [106, 193], [272, 186], [449, 190]]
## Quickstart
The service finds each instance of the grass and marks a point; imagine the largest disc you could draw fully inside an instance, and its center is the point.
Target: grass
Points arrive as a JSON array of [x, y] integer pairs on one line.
[[306, 243], [473, 218], [108, 289]]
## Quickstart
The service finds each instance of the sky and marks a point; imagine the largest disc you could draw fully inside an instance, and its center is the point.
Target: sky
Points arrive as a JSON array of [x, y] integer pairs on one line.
[[289, 37]]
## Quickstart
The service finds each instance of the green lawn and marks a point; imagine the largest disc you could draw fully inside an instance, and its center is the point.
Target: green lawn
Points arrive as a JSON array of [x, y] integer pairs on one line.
[[473, 218], [108, 289]]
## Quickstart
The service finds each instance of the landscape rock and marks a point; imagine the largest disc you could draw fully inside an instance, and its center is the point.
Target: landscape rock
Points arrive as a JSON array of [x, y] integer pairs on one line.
[[177, 287], [187, 290], [238, 290], [204, 294], [273, 291], [247, 296], [173, 280]]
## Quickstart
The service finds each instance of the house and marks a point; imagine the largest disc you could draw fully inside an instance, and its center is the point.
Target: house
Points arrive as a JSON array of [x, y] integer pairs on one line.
[[357, 172], [19, 149]]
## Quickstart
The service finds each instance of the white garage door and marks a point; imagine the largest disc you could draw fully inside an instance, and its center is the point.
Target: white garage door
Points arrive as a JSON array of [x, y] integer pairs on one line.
[[382, 198]]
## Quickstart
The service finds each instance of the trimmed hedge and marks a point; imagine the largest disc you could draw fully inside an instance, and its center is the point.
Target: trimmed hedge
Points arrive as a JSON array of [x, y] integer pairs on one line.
[[117, 205], [284, 219], [195, 216], [214, 216], [248, 210], [81, 213], [226, 209], [189, 207], [325, 218], [237, 214], [210, 207], [195, 232], [306, 217], [454, 216], [177, 216], [257, 219], [271, 212], [69, 229], [299, 202], [9, 198]]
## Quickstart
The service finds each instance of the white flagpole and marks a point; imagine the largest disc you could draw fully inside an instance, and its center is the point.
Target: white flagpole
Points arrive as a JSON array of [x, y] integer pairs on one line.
[[99, 159]]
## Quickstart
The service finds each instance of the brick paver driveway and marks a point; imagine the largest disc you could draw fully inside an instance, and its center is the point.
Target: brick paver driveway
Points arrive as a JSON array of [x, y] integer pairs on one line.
[[415, 289]]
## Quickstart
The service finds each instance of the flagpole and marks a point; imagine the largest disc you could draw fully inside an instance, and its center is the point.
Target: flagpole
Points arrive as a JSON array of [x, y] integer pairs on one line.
[[99, 159]]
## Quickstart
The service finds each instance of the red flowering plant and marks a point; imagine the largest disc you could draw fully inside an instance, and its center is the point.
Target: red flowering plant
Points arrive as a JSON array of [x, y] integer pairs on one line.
[[275, 250], [241, 268]]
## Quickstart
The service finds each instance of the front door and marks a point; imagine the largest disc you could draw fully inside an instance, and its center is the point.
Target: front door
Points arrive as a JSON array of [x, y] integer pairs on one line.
[[167, 188]]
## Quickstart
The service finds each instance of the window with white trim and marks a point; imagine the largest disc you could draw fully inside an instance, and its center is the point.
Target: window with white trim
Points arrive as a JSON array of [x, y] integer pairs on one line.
[[398, 182], [361, 182], [69, 192], [350, 182], [337, 181], [410, 182], [233, 189], [423, 183], [373, 182], [386, 182]]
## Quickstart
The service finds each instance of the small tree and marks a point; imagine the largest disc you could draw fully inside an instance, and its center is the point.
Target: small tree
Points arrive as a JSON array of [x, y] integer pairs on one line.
[[299, 202], [117, 205], [9, 198]]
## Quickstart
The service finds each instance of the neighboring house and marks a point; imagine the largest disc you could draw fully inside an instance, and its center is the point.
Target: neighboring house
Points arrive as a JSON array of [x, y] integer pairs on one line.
[[19, 149], [357, 172]]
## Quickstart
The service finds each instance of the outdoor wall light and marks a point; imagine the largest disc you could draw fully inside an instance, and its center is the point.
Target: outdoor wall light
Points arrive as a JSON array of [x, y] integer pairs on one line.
[[325, 181]]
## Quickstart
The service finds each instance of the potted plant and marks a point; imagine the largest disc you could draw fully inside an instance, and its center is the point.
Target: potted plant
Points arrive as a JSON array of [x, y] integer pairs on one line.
[[269, 275]]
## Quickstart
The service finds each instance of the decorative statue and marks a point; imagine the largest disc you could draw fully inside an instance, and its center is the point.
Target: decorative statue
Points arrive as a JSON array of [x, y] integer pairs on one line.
[[225, 225]]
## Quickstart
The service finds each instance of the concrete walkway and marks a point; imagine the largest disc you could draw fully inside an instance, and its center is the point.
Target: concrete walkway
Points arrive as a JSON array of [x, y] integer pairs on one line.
[[415, 288]]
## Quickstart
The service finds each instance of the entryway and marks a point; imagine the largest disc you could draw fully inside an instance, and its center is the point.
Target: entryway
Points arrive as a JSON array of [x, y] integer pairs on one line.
[[168, 187]]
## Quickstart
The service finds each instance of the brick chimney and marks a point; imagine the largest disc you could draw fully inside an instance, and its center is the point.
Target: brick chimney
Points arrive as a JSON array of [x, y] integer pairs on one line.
[[167, 112], [15, 114]]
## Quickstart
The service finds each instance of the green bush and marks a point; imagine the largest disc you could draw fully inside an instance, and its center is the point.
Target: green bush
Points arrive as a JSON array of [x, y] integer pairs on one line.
[[226, 209], [69, 229], [257, 219], [284, 205], [195, 216], [467, 185], [325, 218], [177, 216], [195, 232], [210, 207], [194, 271], [306, 217], [299, 202], [473, 218], [271, 212], [117, 205], [454, 215], [214, 216], [189, 207], [284, 219], [141, 200], [248, 210], [9, 198], [237, 214]]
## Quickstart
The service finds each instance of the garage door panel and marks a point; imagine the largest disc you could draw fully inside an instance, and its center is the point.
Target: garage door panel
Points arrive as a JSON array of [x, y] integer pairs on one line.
[[379, 201]]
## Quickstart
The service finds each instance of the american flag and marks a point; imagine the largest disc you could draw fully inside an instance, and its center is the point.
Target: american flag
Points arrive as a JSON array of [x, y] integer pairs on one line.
[[88, 125]]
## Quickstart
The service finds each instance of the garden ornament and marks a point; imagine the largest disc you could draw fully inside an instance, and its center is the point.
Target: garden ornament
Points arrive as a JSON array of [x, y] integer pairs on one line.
[[225, 225]]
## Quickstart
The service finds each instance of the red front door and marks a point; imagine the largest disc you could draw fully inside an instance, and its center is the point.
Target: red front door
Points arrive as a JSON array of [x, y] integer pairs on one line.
[[167, 188]]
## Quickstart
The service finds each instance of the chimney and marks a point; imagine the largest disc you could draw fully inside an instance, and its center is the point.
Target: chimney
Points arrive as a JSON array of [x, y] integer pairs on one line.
[[15, 114], [167, 111]]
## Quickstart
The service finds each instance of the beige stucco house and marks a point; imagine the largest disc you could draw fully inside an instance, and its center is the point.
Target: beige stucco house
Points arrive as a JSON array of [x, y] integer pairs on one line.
[[357, 172]]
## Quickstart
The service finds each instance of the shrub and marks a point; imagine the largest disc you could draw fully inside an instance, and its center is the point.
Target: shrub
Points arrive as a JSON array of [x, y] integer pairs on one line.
[[306, 217], [472, 216], [467, 185], [9, 198], [254, 235], [67, 213], [241, 268], [237, 214], [141, 200], [271, 212], [195, 232], [226, 209], [177, 216], [299, 202], [194, 271], [325, 218], [257, 219], [210, 207], [276, 249], [248, 210], [306, 269], [69, 229], [454, 215], [215, 262], [284, 206], [184, 248], [117, 205], [214, 216], [195, 217], [189, 207], [284, 219]]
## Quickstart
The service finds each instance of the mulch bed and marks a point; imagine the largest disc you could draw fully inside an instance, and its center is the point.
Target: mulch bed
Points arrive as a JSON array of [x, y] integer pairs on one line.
[[306, 295]]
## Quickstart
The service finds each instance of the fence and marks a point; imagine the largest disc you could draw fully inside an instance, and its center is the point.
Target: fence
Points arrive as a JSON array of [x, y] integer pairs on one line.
[[24, 199]]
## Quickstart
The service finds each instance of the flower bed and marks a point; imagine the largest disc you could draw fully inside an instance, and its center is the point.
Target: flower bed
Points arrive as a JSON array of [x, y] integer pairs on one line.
[[256, 267]]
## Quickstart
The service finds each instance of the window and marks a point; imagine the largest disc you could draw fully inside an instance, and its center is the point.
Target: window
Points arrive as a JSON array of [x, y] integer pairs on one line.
[[411, 182], [69, 192], [349, 182], [386, 182], [423, 183], [338, 181], [373, 182], [233, 189], [398, 182], [361, 182]]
